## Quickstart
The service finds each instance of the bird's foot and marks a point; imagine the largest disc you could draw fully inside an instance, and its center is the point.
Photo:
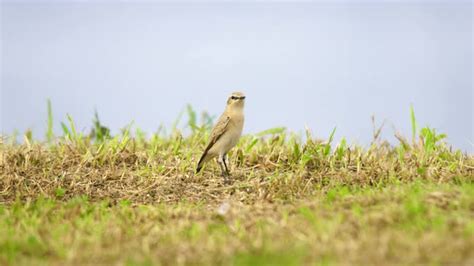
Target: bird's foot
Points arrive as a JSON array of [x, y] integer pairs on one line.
[[227, 181], [227, 178]]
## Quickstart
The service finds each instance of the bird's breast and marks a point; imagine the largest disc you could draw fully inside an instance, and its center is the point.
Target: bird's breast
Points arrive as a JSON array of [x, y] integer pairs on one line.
[[238, 123]]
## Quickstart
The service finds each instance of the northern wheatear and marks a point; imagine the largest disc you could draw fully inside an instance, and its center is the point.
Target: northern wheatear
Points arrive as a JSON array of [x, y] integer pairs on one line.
[[225, 134]]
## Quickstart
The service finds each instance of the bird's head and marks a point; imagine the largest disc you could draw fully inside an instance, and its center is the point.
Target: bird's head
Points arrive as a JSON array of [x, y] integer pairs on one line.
[[236, 99]]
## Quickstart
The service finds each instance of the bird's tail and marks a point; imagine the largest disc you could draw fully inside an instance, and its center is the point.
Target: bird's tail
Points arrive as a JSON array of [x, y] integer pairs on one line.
[[201, 163]]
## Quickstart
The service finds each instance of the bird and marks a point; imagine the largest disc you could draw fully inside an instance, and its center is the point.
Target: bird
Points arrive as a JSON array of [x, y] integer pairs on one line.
[[225, 134]]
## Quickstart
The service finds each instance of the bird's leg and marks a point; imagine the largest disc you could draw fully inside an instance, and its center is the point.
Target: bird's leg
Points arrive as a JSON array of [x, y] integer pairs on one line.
[[225, 171], [226, 163], [221, 162]]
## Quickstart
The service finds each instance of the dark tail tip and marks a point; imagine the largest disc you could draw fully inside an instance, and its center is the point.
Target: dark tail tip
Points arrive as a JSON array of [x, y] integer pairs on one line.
[[200, 163]]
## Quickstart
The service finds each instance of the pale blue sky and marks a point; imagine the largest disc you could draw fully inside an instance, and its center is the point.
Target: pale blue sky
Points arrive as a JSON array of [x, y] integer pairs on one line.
[[318, 64]]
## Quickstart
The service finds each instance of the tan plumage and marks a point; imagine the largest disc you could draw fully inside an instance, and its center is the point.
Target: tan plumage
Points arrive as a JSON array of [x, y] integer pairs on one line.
[[226, 133]]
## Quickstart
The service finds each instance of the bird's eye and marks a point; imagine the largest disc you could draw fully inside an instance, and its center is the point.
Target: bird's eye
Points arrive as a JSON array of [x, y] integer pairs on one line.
[[233, 97]]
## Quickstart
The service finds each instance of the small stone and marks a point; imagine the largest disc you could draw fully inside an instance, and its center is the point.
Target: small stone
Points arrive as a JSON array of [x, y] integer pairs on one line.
[[223, 208]]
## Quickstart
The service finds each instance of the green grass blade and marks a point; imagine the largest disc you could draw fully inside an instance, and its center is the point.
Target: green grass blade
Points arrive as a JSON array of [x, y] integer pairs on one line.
[[413, 124], [250, 146], [192, 120], [66, 131], [72, 127], [327, 149], [271, 131], [49, 131]]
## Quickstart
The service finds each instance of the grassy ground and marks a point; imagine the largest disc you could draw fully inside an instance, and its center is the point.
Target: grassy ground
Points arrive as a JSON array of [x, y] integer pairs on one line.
[[128, 200]]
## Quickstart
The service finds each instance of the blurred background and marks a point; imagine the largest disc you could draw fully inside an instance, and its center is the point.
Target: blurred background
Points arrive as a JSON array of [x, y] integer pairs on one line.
[[320, 64]]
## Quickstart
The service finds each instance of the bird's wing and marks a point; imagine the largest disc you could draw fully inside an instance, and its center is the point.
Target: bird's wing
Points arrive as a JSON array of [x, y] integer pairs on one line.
[[218, 130]]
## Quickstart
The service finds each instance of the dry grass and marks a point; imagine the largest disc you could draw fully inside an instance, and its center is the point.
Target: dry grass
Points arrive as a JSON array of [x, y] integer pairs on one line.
[[135, 200]]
